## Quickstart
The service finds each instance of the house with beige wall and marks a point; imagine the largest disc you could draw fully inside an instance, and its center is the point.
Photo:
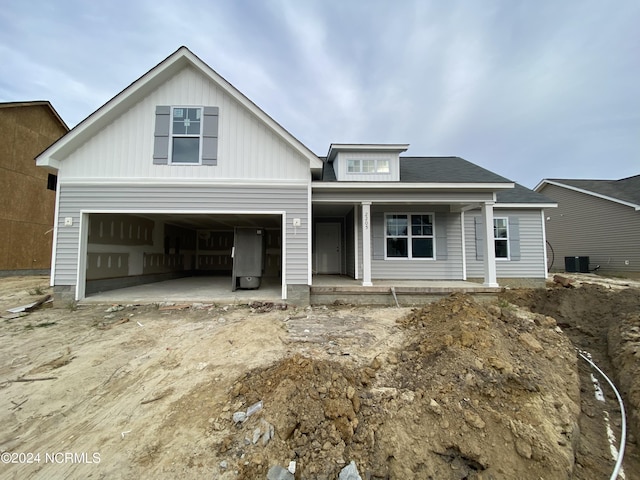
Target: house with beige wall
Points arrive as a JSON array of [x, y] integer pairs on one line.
[[598, 219], [27, 193]]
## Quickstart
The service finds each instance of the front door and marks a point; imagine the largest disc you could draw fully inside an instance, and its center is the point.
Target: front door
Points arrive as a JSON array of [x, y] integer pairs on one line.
[[328, 248]]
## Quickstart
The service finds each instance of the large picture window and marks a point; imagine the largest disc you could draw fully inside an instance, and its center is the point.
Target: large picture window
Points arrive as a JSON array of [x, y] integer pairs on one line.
[[409, 235], [501, 237], [186, 129]]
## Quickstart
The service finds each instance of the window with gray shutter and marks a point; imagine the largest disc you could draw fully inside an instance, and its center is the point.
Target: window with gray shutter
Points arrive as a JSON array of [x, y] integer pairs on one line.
[[186, 136], [210, 136]]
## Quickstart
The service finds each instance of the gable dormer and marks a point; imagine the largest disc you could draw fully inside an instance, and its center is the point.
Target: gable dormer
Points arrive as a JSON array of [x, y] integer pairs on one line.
[[366, 162]]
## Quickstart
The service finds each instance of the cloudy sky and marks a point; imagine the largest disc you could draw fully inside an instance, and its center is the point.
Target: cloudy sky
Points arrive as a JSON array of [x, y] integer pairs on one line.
[[530, 89]]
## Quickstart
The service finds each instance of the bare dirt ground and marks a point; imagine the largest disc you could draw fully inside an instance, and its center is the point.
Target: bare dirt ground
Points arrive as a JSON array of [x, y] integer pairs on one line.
[[458, 389]]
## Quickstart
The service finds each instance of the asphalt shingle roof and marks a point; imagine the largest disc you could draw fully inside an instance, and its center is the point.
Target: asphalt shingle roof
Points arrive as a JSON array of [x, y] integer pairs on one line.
[[453, 170], [521, 194], [625, 189]]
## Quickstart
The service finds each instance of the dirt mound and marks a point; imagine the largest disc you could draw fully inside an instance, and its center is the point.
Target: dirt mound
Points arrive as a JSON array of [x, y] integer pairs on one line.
[[474, 392], [313, 407], [496, 395]]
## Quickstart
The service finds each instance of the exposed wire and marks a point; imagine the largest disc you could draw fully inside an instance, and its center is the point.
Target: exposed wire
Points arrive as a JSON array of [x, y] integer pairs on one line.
[[553, 256], [623, 434]]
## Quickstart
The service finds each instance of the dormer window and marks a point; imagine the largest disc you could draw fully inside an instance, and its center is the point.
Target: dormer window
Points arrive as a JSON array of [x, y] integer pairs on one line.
[[368, 166], [366, 163]]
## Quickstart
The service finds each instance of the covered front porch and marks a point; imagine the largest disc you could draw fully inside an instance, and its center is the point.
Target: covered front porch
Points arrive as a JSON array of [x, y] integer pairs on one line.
[[404, 238]]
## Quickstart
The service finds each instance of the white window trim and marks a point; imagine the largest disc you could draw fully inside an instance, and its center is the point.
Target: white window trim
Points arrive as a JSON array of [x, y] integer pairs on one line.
[[172, 136], [507, 239], [361, 161], [409, 236]]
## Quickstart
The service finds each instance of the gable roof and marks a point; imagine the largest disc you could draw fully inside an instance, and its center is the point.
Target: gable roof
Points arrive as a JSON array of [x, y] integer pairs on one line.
[[37, 103], [625, 191], [180, 59]]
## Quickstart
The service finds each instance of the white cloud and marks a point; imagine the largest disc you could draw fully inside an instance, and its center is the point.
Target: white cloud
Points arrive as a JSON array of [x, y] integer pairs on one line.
[[528, 89]]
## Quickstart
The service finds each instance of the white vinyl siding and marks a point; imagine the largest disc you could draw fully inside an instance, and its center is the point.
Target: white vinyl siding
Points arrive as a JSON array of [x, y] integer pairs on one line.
[[247, 148], [181, 198]]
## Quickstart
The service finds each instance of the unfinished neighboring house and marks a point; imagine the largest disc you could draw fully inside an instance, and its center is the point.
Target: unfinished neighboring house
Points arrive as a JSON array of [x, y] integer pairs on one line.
[[180, 174], [27, 193], [599, 219]]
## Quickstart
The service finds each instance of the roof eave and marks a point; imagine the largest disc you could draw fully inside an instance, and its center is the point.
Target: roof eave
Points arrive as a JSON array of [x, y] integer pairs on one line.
[[635, 206], [334, 148], [411, 186], [525, 205]]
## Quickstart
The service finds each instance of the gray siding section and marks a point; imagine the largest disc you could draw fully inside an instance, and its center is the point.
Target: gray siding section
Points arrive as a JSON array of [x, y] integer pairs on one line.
[[173, 198], [530, 261], [448, 262], [584, 225]]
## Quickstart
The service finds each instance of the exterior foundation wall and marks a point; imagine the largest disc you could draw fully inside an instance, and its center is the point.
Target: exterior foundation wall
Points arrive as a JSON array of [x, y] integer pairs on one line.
[[516, 282], [379, 299], [298, 295], [63, 295]]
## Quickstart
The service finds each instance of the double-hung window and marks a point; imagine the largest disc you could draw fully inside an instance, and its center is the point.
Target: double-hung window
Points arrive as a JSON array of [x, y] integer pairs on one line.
[[185, 135], [409, 236], [186, 131], [501, 237]]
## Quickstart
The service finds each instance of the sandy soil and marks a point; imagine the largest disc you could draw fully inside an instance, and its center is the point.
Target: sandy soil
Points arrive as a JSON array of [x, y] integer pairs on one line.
[[455, 390]]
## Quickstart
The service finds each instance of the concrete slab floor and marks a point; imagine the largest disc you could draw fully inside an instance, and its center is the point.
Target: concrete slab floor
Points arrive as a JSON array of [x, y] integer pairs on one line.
[[201, 289]]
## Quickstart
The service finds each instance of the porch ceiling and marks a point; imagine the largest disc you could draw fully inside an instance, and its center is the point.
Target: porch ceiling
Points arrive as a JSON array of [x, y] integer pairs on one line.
[[328, 210]]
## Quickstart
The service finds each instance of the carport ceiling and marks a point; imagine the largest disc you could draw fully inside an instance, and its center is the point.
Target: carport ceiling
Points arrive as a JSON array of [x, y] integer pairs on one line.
[[218, 221]]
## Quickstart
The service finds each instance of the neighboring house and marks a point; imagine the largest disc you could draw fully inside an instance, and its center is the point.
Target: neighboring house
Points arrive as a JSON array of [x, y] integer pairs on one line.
[[154, 183], [599, 219], [27, 193]]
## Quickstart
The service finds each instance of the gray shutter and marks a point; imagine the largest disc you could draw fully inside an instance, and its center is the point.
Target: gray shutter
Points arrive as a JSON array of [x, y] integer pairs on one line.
[[441, 237], [479, 238], [161, 135], [377, 235], [514, 238], [210, 136]]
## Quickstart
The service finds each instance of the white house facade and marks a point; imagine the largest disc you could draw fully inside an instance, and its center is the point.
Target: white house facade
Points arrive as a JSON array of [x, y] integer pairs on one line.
[[160, 181]]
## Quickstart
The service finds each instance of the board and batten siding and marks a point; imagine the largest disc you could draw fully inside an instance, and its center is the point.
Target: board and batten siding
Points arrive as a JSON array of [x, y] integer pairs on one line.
[[583, 225], [531, 263], [447, 264], [247, 148], [75, 198]]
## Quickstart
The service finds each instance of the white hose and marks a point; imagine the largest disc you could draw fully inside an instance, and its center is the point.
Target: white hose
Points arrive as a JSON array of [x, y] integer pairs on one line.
[[623, 434]]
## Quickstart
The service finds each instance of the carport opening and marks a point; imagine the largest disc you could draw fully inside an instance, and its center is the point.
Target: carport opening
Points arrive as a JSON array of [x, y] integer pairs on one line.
[[124, 250]]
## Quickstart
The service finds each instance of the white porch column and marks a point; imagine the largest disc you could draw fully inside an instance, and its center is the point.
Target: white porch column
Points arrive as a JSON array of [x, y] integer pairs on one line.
[[490, 277], [366, 244]]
